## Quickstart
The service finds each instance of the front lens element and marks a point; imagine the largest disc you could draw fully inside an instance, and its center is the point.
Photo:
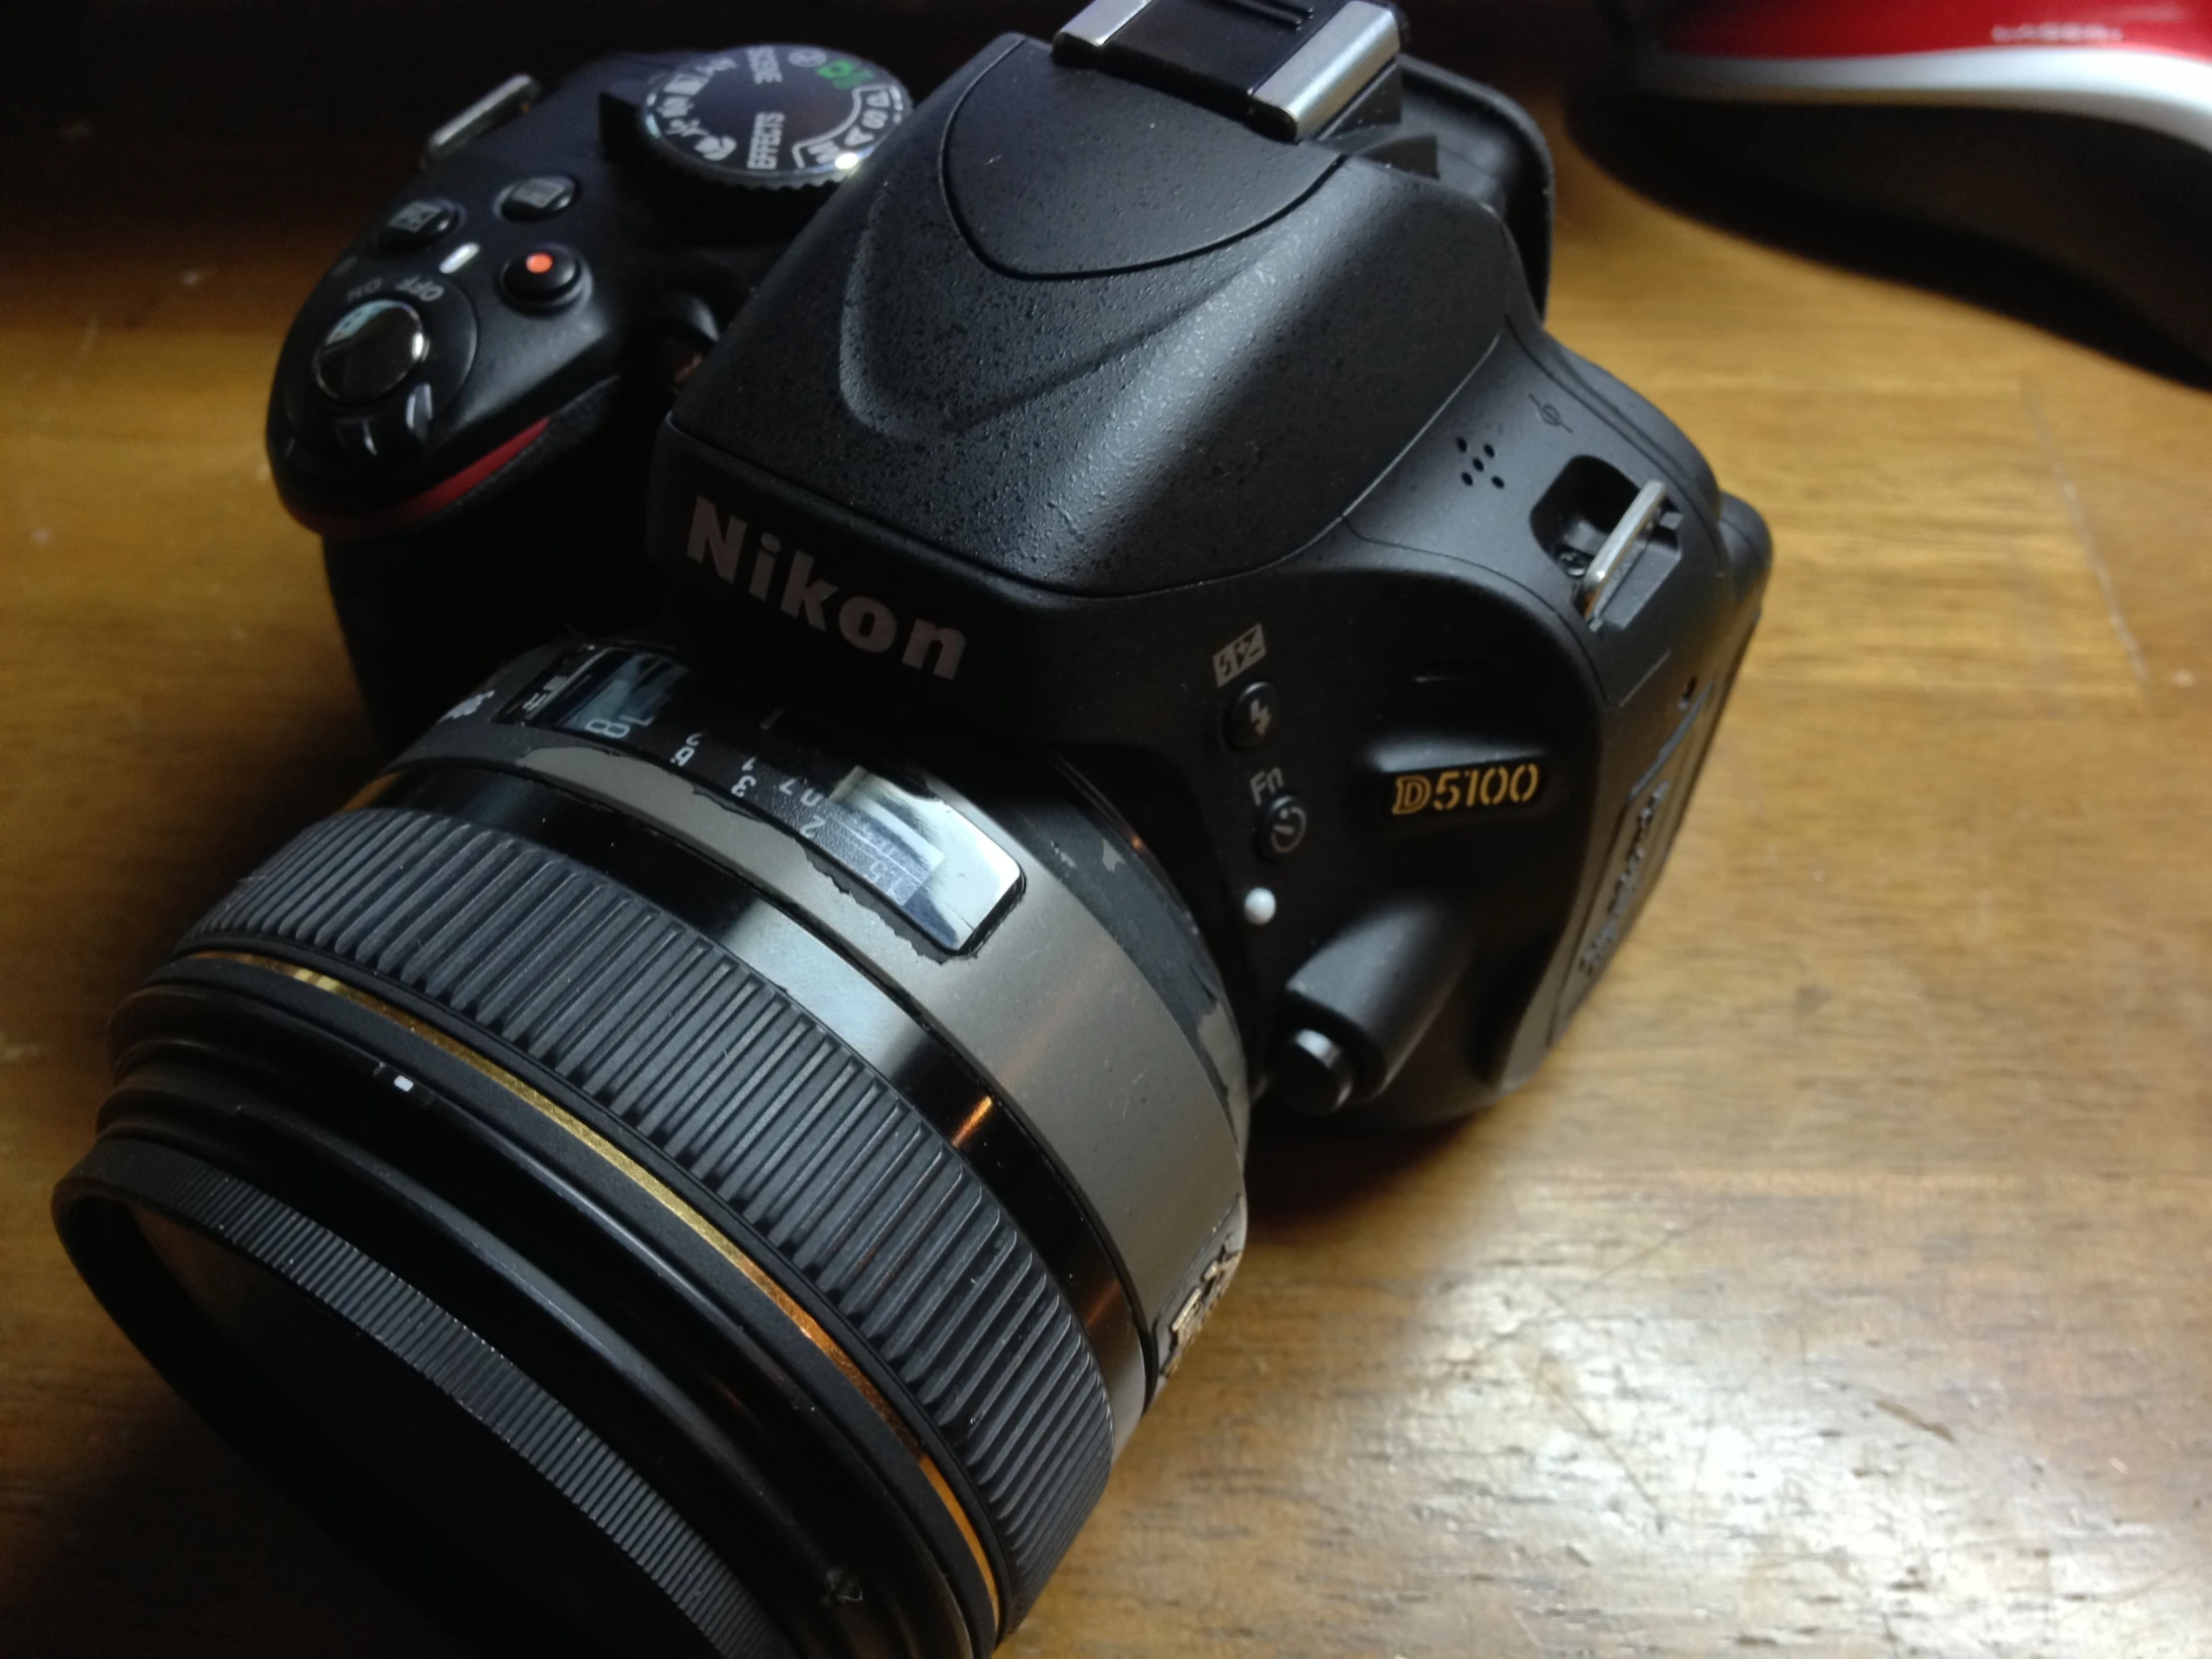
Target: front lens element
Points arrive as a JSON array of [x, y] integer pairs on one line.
[[338, 1363]]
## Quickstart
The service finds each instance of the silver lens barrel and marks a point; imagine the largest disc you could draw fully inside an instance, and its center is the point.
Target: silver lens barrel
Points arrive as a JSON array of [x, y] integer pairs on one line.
[[1125, 1075]]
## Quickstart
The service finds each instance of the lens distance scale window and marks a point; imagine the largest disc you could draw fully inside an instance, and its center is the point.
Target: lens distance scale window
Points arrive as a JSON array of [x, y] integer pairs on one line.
[[921, 857]]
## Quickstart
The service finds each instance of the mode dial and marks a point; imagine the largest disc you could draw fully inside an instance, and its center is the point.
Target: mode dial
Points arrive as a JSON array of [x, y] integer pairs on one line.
[[789, 120]]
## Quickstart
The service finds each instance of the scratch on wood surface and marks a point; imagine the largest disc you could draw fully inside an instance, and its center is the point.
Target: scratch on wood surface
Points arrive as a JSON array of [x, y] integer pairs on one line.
[[2089, 548], [1613, 1452], [1905, 1413], [2108, 1597], [1666, 1241], [1562, 1302], [1534, 1640]]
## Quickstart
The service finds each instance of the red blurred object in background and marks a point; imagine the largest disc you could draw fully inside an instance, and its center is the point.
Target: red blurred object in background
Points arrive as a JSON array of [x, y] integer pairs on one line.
[[2081, 132], [1882, 28]]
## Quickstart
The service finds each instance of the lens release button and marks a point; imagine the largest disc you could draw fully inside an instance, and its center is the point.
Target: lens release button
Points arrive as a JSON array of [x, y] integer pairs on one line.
[[370, 351], [542, 276], [1282, 827]]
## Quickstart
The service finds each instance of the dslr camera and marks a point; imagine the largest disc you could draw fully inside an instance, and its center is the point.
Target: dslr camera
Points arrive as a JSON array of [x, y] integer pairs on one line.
[[947, 649]]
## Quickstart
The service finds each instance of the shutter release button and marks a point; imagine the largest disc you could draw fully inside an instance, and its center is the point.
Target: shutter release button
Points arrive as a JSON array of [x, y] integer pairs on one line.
[[370, 351]]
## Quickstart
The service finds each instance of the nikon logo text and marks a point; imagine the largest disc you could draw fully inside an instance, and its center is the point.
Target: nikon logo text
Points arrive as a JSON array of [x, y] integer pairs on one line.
[[757, 563]]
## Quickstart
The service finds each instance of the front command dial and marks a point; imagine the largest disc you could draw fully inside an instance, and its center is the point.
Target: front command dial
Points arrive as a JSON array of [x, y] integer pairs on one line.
[[770, 117]]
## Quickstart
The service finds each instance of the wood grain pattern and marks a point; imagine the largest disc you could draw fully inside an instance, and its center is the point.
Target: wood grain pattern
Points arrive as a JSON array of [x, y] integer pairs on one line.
[[1838, 1288]]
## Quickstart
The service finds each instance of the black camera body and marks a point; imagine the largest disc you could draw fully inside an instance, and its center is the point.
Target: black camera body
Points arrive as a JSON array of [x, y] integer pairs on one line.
[[716, 1149], [1239, 471], [1243, 473], [470, 432]]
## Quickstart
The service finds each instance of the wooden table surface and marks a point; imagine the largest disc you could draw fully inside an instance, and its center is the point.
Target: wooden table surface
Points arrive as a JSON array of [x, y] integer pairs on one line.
[[1838, 1288]]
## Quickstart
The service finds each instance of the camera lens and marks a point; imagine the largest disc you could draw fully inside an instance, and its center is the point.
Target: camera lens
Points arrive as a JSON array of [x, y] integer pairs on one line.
[[657, 1183]]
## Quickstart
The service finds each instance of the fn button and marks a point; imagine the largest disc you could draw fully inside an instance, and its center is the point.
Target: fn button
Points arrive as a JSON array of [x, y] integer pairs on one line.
[[1282, 827]]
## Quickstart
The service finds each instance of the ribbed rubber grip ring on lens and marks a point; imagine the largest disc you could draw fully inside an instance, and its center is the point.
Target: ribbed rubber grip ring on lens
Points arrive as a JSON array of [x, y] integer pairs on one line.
[[462, 1366], [742, 1089]]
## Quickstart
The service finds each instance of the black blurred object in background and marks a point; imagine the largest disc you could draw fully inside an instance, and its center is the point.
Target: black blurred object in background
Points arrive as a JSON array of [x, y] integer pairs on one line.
[[218, 113], [242, 68], [226, 118]]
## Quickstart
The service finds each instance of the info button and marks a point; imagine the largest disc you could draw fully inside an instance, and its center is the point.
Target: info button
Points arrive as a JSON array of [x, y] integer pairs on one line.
[[539, 197]]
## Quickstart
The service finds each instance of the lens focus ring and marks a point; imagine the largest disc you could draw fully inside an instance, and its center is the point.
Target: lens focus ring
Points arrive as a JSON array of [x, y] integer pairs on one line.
[[735, 1085]]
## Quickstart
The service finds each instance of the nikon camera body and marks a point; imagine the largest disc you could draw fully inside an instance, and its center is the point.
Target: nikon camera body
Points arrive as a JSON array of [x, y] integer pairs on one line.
[[1129, 612], [1241, 472]]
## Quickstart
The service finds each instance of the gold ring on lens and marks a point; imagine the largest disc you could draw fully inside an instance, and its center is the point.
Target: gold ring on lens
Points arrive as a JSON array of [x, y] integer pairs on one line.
[[675, 1205]]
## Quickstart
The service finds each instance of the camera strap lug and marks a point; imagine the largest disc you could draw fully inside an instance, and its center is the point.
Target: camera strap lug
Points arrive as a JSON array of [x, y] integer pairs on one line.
[[510, 98], [1623, 549]]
